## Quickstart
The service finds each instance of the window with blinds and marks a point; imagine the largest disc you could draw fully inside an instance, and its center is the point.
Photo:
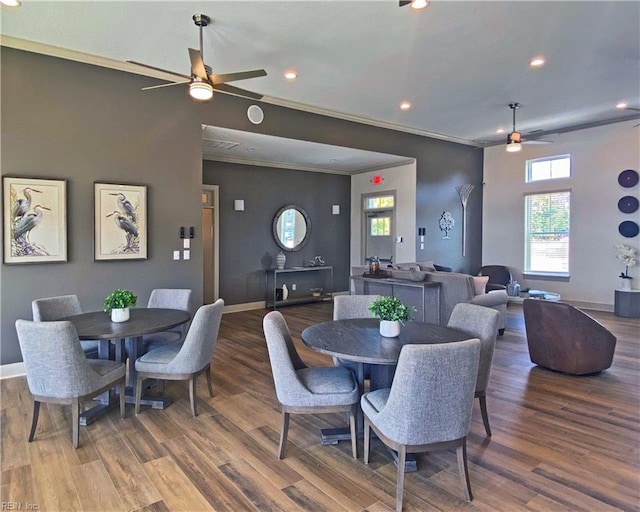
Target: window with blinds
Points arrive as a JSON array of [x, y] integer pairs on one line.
[[547, 232]]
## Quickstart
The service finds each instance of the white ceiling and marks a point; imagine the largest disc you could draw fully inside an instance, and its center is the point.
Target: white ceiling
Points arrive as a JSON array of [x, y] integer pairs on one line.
[[459, 63]]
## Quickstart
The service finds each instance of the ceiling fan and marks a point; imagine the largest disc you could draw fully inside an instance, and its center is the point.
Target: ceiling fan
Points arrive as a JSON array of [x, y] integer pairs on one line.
[[202, 83], [514, 139]]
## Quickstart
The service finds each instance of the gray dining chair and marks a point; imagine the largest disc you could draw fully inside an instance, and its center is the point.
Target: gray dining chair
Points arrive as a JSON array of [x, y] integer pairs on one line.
[[58, 371], [428, 406], [186, 361], [481, 323], [55, 308], [306, 390], [171, 298], [352, 306]]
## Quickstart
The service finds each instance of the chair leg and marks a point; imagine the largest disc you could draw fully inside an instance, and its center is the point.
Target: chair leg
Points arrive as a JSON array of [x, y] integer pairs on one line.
[[192, 395], [123, 387], [138, 393], [34, 421], [402, 459], [75, 421], [463, 468], [354, 434], [283, 434], [209, 384], [485, 414], [367, 439]]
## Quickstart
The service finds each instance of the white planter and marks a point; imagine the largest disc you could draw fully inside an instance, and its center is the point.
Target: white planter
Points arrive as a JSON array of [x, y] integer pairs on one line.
[[389, 328], [120, 315], [626, 284]]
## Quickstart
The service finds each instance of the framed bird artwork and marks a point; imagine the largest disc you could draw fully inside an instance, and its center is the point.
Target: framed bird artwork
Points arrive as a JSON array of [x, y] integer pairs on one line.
[[120, 222], [34, 220]]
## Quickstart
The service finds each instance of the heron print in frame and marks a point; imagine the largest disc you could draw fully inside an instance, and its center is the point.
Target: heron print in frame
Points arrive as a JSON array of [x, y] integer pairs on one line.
[[120, 222], [34, 220]]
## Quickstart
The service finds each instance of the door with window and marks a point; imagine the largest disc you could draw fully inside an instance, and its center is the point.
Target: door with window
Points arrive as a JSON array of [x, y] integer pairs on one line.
[[379, 227]]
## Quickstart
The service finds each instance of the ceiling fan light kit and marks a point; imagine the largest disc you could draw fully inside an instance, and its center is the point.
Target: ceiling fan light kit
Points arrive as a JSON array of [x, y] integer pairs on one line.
[[201, 91], [514, 139]]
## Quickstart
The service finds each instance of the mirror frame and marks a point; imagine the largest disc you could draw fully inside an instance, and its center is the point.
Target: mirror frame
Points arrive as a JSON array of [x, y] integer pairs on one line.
[[274, 227]]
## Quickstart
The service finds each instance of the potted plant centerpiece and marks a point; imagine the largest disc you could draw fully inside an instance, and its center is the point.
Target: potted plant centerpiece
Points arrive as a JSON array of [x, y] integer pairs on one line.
[[392, 313], [628, 256], [118, 303]]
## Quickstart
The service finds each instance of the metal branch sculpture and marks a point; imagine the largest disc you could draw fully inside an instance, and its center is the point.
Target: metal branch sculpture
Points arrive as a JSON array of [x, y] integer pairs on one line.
[[464, 191]]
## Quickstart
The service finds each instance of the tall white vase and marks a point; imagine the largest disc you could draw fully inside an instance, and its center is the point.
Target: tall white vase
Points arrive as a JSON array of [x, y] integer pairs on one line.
[[281, 259]]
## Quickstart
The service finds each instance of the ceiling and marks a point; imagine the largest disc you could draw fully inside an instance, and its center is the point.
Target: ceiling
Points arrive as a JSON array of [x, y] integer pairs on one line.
[[459, 63]]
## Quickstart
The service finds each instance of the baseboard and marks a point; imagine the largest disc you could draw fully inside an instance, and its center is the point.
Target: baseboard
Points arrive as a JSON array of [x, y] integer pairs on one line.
[[596, 306], [247, 306], [8, 371]]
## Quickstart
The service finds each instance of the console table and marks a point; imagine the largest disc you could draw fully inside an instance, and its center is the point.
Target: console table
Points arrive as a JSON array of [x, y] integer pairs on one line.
[[627, 303], [306, 277], [422, 295]]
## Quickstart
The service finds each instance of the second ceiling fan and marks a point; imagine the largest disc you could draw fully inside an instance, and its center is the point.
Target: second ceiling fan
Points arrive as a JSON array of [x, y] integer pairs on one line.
[[202, 82], [514, 139]]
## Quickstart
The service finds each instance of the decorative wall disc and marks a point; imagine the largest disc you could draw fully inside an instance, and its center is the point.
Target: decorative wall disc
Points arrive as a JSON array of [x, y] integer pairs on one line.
[[628, 204], [628, 178], [628, 229]]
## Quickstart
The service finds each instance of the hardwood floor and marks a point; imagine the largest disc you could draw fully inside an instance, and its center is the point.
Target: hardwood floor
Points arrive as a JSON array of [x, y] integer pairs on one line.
[[559, 442]]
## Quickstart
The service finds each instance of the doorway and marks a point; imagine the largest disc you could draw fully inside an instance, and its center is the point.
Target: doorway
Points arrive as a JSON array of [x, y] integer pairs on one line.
[[210, 244], [378, 213]]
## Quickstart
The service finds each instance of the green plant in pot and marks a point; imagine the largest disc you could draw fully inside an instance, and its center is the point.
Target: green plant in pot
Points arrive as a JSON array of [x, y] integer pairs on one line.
[[118, 303], [392, 313]]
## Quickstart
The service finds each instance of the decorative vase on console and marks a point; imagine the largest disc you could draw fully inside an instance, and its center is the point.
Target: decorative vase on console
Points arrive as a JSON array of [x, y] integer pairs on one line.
[[281, 259], [628, 256], [626, 282]]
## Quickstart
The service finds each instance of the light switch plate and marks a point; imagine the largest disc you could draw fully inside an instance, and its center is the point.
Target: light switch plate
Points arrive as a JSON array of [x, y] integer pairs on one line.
[[186, 254], [186, 243], [176, 255]]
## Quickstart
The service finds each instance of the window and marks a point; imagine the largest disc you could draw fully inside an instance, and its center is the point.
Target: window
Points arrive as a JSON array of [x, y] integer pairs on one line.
[[371, 203], [381, 226], [547, 232], [549, 168]]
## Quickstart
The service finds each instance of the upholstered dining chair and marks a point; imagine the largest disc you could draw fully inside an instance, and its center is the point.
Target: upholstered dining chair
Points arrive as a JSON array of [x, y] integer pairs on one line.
[[482, 323], [428, 406], [171, 298], [58, 371], [352, 306], [54, 308], [186, 361], [306, 390]]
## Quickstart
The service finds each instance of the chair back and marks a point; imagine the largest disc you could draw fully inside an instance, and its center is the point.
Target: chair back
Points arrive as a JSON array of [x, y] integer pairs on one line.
[[352, 306], [55, 362], [482, 323], [171, 298], [54, 308], [498, 274], [284, 359], [199, 344], [432, 393]]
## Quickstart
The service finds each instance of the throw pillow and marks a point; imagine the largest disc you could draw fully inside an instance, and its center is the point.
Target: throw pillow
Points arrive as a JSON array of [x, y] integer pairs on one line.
[[480, 284], [427, 266]]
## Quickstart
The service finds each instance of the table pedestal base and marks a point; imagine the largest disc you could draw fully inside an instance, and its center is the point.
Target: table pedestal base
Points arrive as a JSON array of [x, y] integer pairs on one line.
[[105, 404]]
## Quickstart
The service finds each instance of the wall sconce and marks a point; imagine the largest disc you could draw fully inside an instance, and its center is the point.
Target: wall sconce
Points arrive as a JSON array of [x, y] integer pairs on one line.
[[335, 209], [238, 205]]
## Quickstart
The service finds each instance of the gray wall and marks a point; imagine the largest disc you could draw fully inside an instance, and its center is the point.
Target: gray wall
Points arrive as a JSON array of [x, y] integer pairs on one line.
[[246, 241], [84, 123]]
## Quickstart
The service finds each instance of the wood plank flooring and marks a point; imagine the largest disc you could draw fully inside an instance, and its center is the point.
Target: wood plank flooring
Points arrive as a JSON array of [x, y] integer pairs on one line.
[[560, 443]]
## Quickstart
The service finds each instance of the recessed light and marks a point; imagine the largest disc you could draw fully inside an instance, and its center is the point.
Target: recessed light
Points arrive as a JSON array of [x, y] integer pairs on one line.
[[537, 62], [290, 75], [11, 3], [405, 105], [622, 104], [419, 4], [500, 130]]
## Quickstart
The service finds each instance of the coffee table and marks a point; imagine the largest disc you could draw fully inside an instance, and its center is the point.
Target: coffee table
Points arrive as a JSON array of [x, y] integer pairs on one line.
[[537, 294]]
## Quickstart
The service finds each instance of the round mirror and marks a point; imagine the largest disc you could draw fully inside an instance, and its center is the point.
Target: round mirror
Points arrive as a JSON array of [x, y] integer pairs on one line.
[[291, 228]]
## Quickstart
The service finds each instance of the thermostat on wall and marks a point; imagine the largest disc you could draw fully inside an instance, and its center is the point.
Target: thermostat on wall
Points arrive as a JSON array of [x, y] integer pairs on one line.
[[255, 114]]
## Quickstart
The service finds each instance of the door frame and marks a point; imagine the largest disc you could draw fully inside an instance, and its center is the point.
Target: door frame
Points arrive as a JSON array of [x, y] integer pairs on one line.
[[215, 190], [363, 223]]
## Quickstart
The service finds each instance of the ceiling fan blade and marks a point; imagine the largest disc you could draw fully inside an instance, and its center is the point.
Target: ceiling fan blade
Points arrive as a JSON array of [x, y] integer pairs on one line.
[[197, 64], [240, 75], [537, 141], [164, 85], [237, 91], [158, 69]]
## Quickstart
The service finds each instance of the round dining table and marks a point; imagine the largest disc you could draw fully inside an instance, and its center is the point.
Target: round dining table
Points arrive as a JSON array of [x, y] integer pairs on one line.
[[359, 340], [97, 325]]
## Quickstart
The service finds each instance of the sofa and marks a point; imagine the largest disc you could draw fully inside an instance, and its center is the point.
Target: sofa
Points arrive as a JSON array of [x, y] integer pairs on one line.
[[454, 288]]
